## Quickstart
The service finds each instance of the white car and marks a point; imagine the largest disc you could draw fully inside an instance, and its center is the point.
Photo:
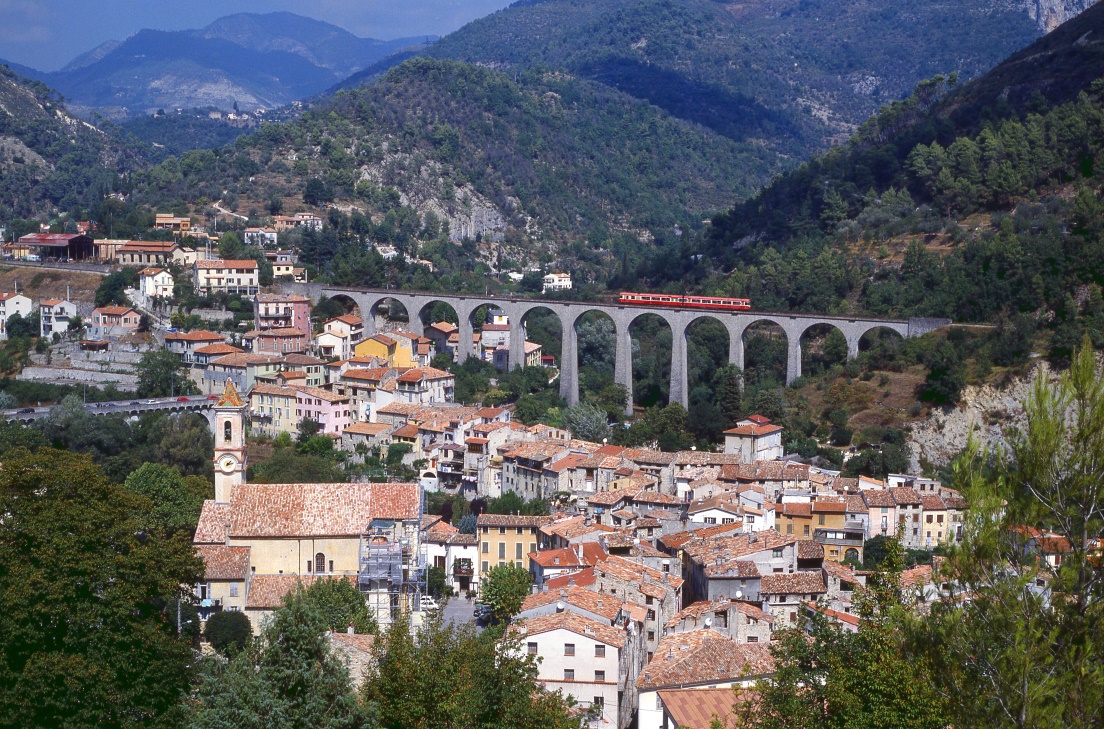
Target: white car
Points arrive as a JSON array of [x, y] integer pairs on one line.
[[428, 603]]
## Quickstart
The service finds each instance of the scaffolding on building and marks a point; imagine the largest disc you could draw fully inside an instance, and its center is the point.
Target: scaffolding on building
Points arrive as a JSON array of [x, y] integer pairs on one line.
[[393, 567]]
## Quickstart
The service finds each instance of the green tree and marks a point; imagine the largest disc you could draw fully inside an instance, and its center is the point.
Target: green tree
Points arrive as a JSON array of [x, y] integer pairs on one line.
[[507, 503], [1014, 655], [291, 678], [24, 326], [230, 246], [946, 378], [110, 290], [436, 581], [84, 628], [341, 603], [228, 631], [448, 675], [176, 503], [504, 589], [587, 422], [162, 373], [834, 678]]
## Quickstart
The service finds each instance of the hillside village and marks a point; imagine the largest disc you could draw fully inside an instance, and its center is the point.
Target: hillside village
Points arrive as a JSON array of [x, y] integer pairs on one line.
[[657, 577]]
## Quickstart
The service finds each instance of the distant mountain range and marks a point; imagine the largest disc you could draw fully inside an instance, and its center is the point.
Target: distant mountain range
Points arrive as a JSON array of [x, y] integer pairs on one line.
[[250, 60]]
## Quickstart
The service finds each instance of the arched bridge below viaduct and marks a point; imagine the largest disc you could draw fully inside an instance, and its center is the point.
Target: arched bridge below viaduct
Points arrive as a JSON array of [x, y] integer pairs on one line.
[[418, 305]]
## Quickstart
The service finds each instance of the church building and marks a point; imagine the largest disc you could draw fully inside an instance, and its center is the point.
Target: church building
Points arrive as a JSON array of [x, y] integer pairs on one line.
[[258, 541]]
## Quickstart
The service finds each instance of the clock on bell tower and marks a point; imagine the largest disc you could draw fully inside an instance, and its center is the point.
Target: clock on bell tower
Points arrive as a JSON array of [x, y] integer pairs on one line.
[[229, 457]]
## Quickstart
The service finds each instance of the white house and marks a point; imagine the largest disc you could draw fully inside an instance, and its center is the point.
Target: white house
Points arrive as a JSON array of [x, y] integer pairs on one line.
[[155, 282], [229, 277], [557, 282], [340, 336], [260, 237], [54, 316], [754, 438], [580, 656], [12, 304]]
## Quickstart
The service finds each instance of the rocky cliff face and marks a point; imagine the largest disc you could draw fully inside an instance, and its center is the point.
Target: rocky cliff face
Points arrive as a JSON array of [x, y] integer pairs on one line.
[[987, 412], [1049, 14]]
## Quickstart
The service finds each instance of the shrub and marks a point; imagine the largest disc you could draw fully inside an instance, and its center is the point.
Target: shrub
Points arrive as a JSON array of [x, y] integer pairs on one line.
[[228, 632]]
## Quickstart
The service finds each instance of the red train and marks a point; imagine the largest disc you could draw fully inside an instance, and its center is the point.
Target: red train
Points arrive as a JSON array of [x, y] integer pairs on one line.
[[685, 302]]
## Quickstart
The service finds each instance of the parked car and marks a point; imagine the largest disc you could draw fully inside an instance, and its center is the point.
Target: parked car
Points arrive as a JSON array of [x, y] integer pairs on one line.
[[26, 410], [429, 603], [183, 398]]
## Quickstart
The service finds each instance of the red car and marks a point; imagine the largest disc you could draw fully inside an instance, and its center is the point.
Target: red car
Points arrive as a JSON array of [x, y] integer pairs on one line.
[[183, 398], [212, 397]]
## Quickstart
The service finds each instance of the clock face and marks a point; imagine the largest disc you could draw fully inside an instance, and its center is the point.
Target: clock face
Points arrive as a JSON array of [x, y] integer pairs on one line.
[[227, 465]]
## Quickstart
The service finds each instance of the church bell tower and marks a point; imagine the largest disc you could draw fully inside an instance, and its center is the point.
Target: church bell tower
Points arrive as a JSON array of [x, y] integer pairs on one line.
[[229, 443]]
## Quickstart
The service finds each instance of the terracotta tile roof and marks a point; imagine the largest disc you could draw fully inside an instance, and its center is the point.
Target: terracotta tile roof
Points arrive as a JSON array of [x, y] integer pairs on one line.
[[648, 456], [218, 349], [705, 458], [905, 495], [368, 428], [754, 430], [47, 302], [790, 509], [212, 523], [855, 503], [954, 502], [407, 431], [796, 583], [932, 503], [837, 615], [399, 408], [574, 528], [703, 656], [654, 497], [574, 623], [824, 506], [511, 520], [697, 708], [266, 592], [609, 498], [228, 263], [582, 578], [916, 576], [629, 571], [808, 549], [244, 359], [424, 373], [842, 572], [556, 558], [322, 394], [224, 563], [608, 606], [878, 498], [680, 539], [279, 390], [317, 509], [114, 310], [363, 642], [197, 336], [143, 246]]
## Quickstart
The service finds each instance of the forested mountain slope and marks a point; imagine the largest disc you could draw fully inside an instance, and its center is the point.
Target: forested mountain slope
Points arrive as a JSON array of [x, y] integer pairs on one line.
[[789, 74], [533, 161], [47, 156]]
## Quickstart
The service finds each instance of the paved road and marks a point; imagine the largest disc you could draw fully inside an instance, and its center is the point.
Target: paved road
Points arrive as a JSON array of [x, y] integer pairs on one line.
[[459, 610]]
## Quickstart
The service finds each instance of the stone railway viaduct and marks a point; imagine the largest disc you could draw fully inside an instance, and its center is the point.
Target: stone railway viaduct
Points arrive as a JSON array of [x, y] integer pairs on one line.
[[418, 304]]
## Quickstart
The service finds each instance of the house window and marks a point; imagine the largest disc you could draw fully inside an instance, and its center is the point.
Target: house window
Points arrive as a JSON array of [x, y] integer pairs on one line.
[[486, 547], [821, 519], [569, 674], [753, 639], [648, 599], [569, 649], [331, 566], [502, 530], [599, 651], [310, 566], [929, 518], [532, 649], [319, 562], [233, 589], [651, 635], [806, 530], [651, 615], [502, 550], [599, 675], [486, 567], [710, 520], [517, 551], [789, 528], [776, 553]]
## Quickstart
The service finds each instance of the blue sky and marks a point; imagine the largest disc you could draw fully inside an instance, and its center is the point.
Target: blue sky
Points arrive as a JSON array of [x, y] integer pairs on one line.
[[47, 34]]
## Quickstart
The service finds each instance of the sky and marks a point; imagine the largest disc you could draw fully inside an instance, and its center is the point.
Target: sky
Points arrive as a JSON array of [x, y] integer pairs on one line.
[[47, 34]]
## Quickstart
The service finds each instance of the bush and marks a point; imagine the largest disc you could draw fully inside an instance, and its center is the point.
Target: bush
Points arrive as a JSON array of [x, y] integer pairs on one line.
[[228, 632]]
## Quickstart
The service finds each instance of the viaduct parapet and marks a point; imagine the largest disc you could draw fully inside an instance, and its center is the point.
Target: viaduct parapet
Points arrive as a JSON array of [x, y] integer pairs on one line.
[[418, 305]]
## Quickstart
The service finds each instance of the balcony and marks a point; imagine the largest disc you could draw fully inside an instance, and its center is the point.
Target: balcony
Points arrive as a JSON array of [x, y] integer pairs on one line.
[[839, 537]]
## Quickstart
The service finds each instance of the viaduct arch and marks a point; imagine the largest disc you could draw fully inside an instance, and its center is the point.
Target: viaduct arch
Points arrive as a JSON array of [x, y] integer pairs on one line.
[[569, 312]]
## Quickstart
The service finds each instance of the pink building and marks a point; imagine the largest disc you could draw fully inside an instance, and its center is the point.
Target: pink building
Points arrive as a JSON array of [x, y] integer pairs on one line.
[[329, 410], [281, 311]]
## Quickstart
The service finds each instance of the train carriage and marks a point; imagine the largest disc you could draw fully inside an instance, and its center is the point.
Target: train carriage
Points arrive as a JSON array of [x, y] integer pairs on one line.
[[716, 303]]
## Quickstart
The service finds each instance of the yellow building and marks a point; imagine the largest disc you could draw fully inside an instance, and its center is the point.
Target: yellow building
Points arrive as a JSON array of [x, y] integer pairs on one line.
[[272, 410], [366, 533], [507, 539], [397, 350]]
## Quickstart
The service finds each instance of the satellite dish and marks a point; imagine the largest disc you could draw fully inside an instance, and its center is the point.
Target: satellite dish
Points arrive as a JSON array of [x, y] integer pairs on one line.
[[709, 622], [739, 594], [560, 607]]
